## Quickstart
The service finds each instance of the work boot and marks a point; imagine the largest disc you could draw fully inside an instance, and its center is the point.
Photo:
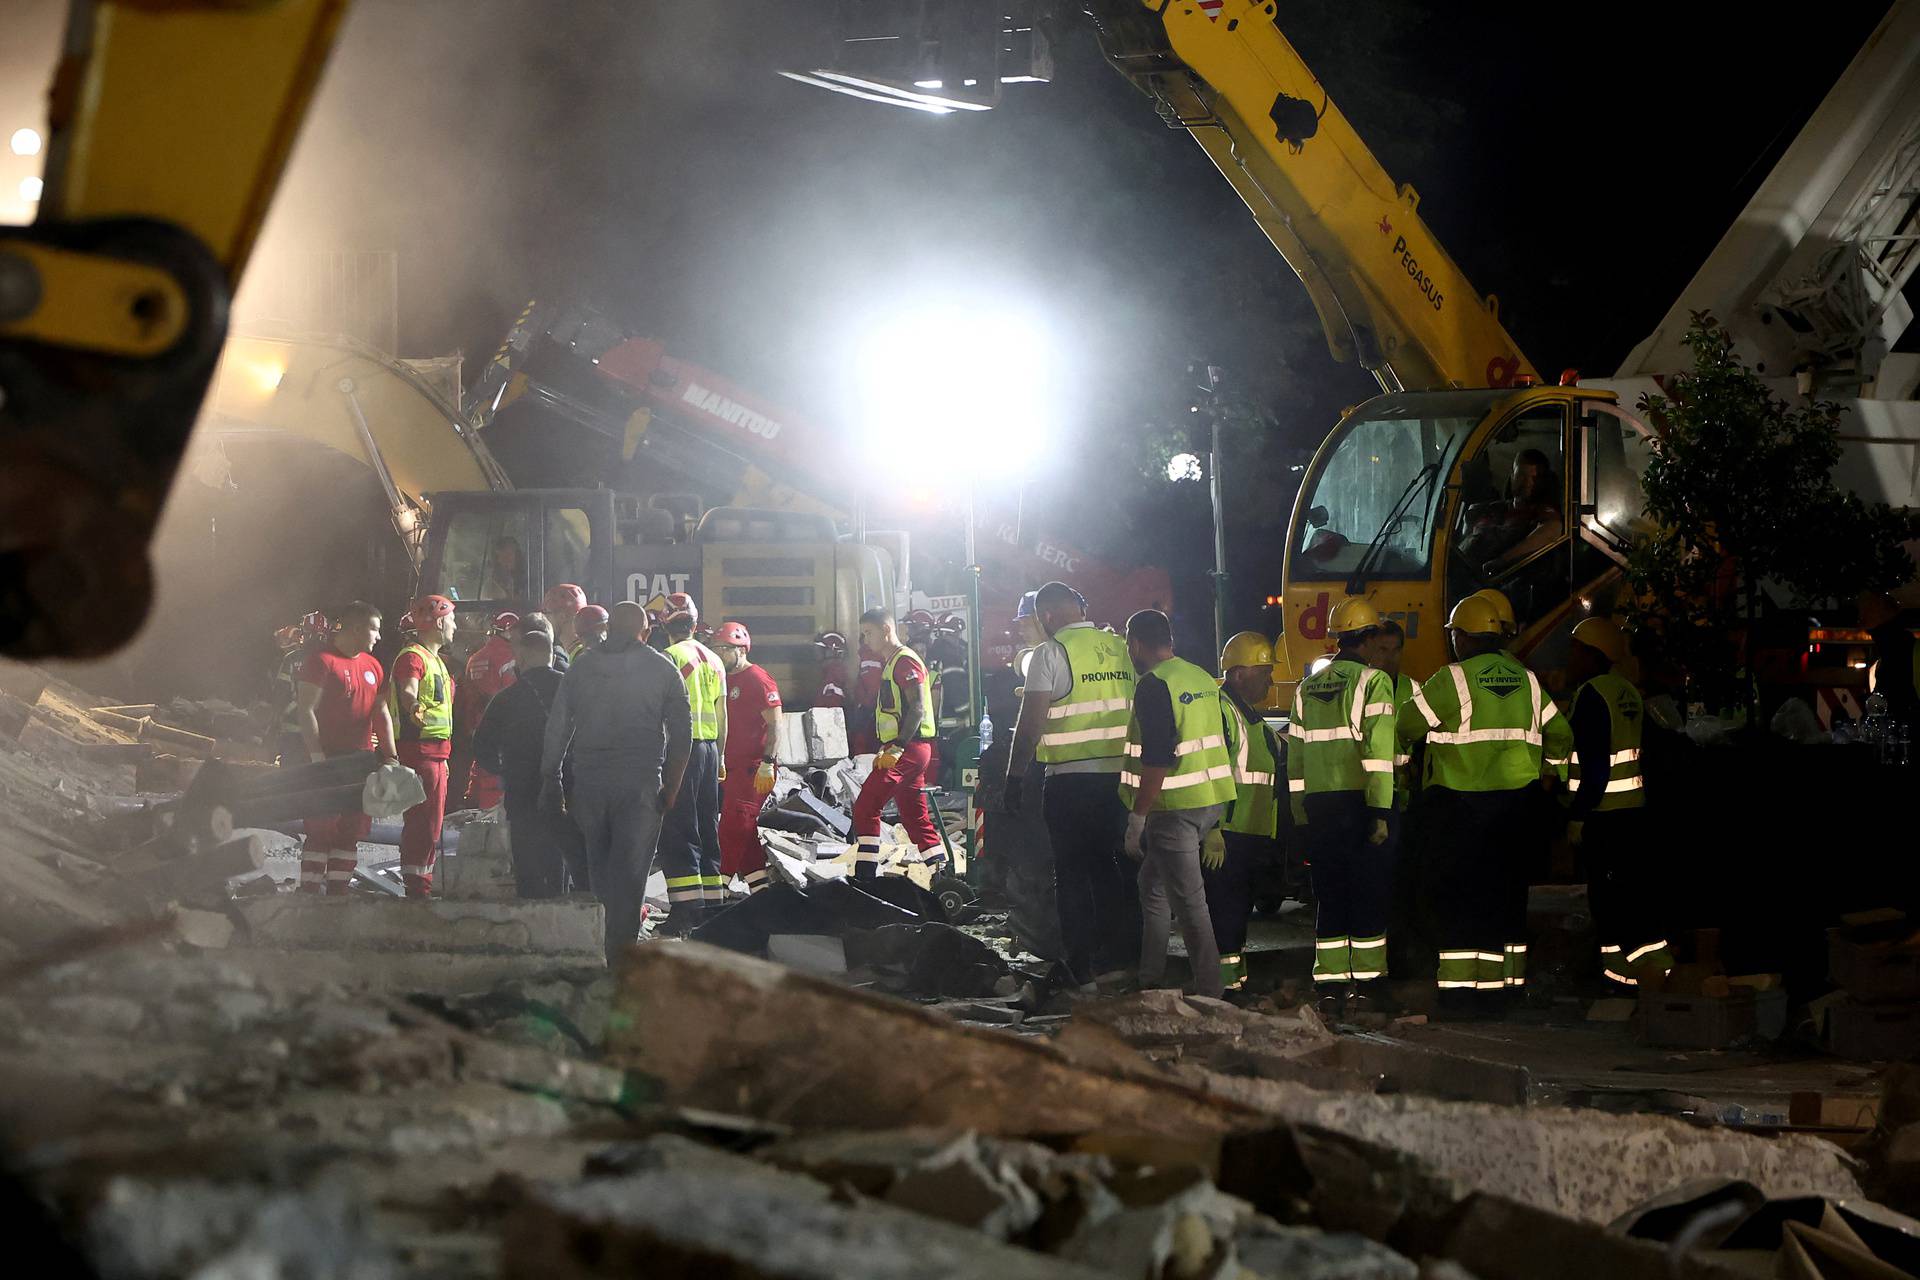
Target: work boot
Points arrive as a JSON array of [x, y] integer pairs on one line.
[[1331, 1005], [1362, 999]]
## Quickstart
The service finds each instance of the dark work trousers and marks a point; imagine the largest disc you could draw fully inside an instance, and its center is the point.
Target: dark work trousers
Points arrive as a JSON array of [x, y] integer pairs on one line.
[[1623, 888], [1352, 886], [1230, 889], [1478, 851], [690, 839], [619, 821], [1410, 937], [547, 850], [1094, 883]]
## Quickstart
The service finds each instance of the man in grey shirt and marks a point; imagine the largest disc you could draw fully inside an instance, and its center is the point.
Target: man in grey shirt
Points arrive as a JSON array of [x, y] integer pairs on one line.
[[621, 716]]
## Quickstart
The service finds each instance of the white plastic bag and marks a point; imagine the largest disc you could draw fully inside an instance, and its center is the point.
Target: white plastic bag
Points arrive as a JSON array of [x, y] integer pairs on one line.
[[391, 790]]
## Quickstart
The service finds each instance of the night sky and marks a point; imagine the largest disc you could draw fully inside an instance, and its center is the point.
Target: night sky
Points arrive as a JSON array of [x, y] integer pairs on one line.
[[646, 160]]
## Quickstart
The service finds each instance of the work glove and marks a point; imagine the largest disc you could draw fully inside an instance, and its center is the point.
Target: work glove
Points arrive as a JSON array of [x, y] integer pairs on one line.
[[552, 799], [722, 775], [887, 757], [1378, 835], [1136, 829], [1011, 797], [763, 779], [1213, 850], [1576, 832]]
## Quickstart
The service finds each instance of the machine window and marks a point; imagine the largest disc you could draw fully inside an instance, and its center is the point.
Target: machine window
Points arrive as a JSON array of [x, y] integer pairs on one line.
[[1514, 493], [1617, 456], [486, 556], [569, 539], [1378, 497]]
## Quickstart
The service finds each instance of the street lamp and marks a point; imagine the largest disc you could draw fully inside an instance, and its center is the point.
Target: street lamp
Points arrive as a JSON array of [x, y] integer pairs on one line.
[[1184, 466], [25, 142]]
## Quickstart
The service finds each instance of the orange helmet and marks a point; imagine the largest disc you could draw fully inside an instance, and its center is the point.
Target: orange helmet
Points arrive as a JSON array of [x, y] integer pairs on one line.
[[681, 605], [428, 608], [735, 634], [590, 615], [563, 601]]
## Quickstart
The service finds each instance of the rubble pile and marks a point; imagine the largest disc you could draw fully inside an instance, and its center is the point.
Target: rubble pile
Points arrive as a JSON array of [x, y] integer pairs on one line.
[[197, 1081]]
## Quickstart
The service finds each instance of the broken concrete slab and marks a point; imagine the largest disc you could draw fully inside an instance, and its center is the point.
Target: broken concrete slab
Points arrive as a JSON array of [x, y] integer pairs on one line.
[[207, 930], [817, 953], [569, 928], [483, 869], [203, 1228], [761, 1039], [711, 1223]]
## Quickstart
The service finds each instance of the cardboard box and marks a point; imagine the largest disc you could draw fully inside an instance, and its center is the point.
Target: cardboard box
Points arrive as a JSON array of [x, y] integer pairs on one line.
[[1873, 972], [1873, 1033], [1711, 1022]]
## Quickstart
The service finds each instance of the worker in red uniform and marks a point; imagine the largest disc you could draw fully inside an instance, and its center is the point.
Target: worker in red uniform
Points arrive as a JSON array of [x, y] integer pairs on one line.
[[420, 700], [830, 647], [753, 729], [490, 668], [339, 710], [561, 604], [905, 726]]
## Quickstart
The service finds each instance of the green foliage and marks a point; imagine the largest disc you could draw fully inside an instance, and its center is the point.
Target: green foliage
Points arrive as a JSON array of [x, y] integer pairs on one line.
[[1741, 487]]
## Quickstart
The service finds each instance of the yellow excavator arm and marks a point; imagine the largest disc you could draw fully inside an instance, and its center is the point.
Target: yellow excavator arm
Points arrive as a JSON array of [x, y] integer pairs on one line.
[[171, 121], [1387, 294]]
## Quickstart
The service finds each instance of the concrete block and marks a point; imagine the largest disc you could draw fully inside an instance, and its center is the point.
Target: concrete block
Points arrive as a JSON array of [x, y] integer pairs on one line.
[[568, 928], [792, 744], [826, 730], [483, 868], [208, 930], [817, 953]]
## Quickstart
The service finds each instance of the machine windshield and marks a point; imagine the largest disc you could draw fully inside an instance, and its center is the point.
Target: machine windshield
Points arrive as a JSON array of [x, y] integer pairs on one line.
[[1375, 503]]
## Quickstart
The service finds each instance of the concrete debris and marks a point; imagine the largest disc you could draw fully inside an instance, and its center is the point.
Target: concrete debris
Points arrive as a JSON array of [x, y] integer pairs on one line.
[[817, 953], [567, 928], [192, 1228]]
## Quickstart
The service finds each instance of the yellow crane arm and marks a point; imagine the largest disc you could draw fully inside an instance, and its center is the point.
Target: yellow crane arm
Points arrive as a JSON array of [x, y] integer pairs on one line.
[[1386, 293], [171, 121]]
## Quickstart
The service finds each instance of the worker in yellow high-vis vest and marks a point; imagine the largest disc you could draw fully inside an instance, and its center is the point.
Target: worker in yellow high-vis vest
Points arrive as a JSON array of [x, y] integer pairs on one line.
[[690, 837], [1073, 719], [1606, 807], [420, 701], [1247, 840], [1177, 779], [907, 725]]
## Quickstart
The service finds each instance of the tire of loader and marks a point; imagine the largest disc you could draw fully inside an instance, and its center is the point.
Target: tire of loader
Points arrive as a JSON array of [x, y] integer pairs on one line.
[[954, 894]]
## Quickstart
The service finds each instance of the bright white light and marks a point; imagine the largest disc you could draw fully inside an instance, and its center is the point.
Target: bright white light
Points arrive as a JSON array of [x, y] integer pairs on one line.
[[929, 84], [26, 142], [950, 387], [30, 188], [1183, 466], [1318, 665]]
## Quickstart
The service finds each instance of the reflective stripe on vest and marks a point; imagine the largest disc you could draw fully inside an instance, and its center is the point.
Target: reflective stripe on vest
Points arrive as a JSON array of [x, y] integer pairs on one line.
[[1202, 772], [1090, 723], [1499, 737], [1342, 734], [886, 716], [435, 701], [706, 681], [1626, 713], [1256, 811]]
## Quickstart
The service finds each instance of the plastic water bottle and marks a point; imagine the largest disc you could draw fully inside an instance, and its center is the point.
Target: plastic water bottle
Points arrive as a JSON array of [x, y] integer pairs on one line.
[[986, 731]]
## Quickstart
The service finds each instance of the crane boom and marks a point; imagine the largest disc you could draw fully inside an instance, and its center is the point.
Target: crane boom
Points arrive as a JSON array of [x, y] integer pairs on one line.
[[1387, 294]]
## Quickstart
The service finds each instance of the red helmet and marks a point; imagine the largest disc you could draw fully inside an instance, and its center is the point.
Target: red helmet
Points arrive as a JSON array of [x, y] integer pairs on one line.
[[504, 621], [832, 643], [290, 637], [590, 615], [681, 605], [407, 625], [735, 634], [921, 618], [564, 600], [429, 608], [316, 623]]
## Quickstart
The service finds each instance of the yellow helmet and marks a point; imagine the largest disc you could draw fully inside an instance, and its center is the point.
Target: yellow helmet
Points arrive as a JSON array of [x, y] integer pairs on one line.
[[1602, 634], [1476, 616], [1246, 649], [1502, 609], [1351, 615]]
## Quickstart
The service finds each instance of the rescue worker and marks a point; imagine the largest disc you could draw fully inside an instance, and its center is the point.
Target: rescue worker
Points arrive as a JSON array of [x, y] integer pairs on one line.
[[830, 647], [1341, 744], [621, 717], [1249, 831], [490, 669], [753, 739], [1177, 779], [690, 841], [1606, 806], [904, 725], [1409, 935], [1073, 718], [339, 709], [509, 741], [420, 700], [1487, 723], [560, 604], [589, 628]]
